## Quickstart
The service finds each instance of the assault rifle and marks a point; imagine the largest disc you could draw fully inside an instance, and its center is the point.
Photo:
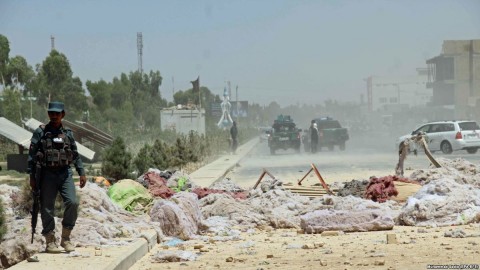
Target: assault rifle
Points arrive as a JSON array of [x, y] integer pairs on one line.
[[36, 193]]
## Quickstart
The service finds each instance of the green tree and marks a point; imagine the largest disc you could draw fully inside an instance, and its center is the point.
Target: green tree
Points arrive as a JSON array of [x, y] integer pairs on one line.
[[56, 82], [101, 92], [180, 153], [4, 52], [143, 160], [116, 160], [18, 72], [56, 69], [12, 106], [161, 155]]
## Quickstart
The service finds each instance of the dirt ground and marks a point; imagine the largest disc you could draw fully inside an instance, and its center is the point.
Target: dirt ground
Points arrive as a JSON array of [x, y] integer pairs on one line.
[[267, 248], [411, 248]]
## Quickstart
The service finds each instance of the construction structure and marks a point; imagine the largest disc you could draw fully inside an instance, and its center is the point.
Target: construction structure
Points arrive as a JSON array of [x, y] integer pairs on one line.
[[393, 94], [454, 77], [183, 119]]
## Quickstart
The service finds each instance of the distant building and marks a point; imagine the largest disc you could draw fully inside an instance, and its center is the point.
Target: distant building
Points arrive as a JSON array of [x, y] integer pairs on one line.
[[454, 77], [393, 94], [182, 120]]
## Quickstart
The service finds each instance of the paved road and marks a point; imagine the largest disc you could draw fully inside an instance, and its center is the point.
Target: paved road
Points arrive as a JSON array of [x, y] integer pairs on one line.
[[363, 158]]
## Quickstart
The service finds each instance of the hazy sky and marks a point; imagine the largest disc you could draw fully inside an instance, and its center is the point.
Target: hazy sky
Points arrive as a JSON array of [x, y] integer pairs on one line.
[[289, 51]]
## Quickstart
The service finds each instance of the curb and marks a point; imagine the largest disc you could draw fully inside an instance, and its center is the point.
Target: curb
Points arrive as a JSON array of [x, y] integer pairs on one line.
[[127, 259], [238, 161], [139, 249]]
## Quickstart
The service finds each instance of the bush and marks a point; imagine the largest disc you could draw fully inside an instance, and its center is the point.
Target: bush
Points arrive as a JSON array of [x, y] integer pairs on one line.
[[3, 225], [116, 160]]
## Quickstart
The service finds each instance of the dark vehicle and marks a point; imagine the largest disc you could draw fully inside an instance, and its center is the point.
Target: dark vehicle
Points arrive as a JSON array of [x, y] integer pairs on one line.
[[330, 133], [284, 135]]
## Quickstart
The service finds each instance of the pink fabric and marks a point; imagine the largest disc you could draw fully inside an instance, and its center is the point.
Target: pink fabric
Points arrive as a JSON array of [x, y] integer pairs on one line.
[[157, 185], [381, 189]]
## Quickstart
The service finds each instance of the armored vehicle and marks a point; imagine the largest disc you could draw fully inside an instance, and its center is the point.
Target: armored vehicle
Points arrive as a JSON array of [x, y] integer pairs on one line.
[[284, 135]]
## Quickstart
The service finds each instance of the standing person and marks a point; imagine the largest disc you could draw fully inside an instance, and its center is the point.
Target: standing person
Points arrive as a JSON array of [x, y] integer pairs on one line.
[[234, 136], [313, 136], [52, 151]]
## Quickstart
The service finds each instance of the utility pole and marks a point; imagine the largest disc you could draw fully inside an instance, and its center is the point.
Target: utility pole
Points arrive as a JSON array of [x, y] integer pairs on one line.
[[173, 89], [52, 42], [236, 98], [140, 51]]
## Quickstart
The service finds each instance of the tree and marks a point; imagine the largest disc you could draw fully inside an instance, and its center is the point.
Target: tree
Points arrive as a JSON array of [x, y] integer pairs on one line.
[[143, 160], [55, 78], [116, 160], [56, 69], [101, 92], [11, 105], [4, 52], [18, 72], [161, 155]]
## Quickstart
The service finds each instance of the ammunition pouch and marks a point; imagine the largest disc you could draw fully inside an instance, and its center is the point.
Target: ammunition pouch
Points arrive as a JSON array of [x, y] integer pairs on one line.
[[57, 150]]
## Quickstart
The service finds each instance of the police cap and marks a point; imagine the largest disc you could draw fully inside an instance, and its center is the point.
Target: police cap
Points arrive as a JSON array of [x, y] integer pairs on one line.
[[55, 106]]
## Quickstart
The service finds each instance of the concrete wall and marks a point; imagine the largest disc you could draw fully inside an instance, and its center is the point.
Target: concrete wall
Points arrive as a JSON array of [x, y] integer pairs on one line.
[[399, 92], [466, 83], [183, 121]]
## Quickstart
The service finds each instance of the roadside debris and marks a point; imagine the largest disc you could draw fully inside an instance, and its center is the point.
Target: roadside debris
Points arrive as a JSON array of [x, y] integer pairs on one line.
[[418, 139], [169, 203], [442, 202]]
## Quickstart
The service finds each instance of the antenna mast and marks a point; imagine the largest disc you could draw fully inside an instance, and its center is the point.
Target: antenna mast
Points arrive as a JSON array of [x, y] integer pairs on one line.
[[52, 41], [140, 51]]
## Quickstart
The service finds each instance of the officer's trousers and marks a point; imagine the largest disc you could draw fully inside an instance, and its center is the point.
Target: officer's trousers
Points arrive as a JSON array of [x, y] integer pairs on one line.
[[54, 181]]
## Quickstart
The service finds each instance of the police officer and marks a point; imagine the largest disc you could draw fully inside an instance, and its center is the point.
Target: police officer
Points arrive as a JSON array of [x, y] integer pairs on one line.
[[313, 136], [52, 151], [234, 136]]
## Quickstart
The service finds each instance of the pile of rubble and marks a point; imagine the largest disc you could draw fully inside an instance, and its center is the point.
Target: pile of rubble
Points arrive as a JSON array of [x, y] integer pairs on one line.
[[172, 204]]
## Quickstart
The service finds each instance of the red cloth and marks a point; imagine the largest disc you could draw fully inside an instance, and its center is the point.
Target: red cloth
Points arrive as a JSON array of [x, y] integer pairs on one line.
[[157, 185], [381, 189]]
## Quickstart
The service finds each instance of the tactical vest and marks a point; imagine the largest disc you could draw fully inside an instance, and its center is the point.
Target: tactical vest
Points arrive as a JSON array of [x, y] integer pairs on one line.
[[56, 149]]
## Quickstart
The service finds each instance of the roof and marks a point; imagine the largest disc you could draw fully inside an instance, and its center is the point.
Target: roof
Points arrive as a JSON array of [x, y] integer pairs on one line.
[[15, 133], [82, 150], [86, 131]]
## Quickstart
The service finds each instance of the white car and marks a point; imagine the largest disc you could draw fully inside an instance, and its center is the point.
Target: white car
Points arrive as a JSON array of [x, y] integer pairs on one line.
[[448, 136]]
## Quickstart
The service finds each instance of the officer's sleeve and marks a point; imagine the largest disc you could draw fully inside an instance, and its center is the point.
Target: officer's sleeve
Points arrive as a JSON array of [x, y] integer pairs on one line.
[[32, 151], [77, 161]]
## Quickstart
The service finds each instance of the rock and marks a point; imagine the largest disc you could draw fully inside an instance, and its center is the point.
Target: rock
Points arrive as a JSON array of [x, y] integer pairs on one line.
[[320, 221], [308, 246], [330, 233], [391, 238]]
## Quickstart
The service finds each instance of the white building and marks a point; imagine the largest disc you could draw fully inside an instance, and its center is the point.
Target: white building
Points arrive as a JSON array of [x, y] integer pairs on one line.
[[392, 94], [183, 120]]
